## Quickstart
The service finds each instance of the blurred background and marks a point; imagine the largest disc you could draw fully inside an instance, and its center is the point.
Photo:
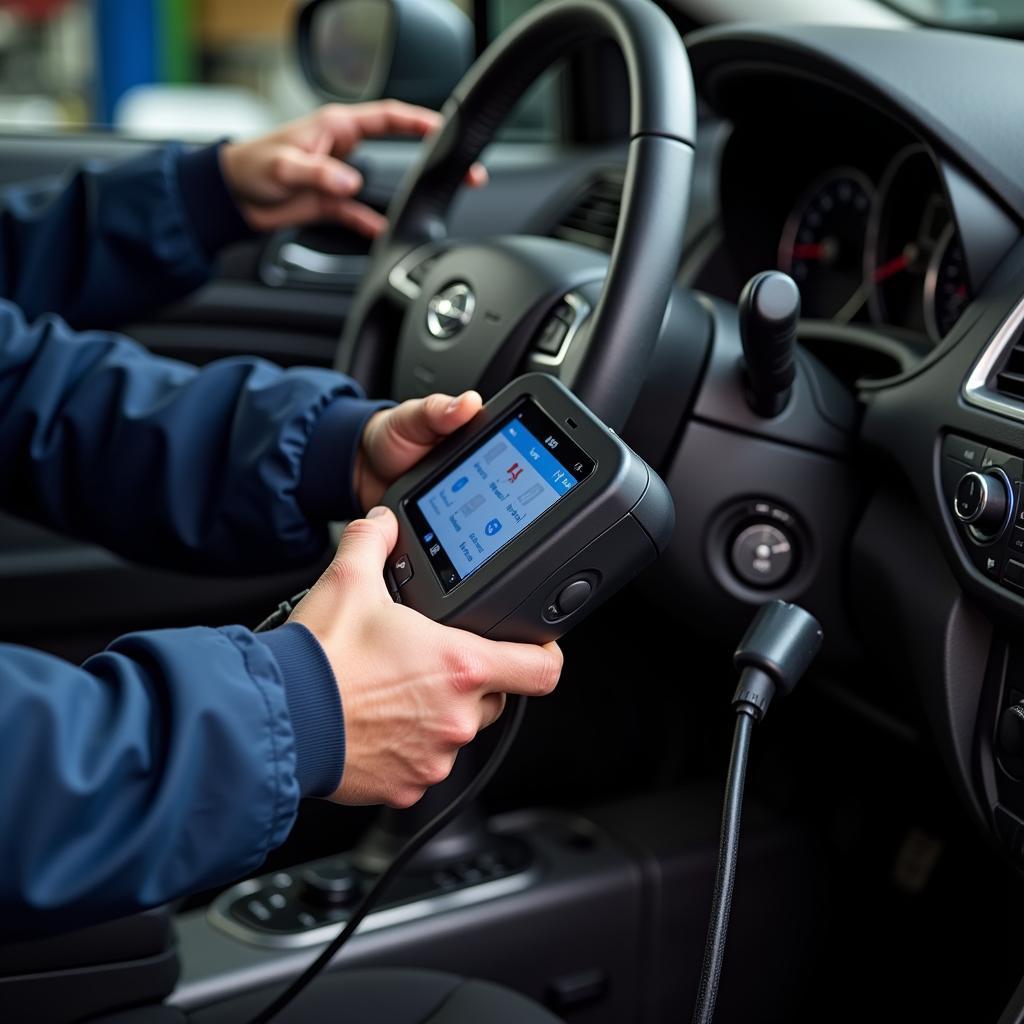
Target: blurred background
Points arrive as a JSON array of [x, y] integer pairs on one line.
[[192, 69], [203, 69]]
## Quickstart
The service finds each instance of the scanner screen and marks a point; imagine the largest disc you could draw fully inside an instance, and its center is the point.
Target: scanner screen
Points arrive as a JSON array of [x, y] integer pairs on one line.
[[509, 479]]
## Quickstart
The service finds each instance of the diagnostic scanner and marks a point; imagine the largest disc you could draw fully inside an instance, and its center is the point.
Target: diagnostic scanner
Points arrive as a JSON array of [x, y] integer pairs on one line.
[[525, 520]]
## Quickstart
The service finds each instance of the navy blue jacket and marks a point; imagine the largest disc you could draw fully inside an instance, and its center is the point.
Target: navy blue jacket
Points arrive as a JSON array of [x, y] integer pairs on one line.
[[175, 760]]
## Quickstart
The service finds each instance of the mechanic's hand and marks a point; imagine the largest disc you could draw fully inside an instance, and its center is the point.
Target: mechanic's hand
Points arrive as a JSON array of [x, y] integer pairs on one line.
[[394, 440], [297, 174], [412, 691]]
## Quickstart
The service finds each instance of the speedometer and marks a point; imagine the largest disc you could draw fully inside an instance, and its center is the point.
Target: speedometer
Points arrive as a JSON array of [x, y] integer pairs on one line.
[[822, 244]]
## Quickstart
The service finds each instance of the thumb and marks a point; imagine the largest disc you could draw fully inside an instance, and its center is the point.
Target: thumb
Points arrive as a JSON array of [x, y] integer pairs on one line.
[[364, 548]]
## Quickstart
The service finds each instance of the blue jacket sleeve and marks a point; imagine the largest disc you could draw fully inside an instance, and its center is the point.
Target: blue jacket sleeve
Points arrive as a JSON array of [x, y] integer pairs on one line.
[[172, 762], [114, 241], [233, 467]]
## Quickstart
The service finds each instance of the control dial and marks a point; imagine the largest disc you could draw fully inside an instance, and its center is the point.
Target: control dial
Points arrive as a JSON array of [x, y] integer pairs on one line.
[[982, 502], [329, 883]]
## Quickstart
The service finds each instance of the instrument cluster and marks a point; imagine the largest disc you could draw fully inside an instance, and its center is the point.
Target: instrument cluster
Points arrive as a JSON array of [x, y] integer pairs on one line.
[[886, 251], [868, 241]]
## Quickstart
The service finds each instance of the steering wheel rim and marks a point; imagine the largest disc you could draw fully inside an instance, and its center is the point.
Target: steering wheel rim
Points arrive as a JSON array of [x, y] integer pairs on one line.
[[648, 241]]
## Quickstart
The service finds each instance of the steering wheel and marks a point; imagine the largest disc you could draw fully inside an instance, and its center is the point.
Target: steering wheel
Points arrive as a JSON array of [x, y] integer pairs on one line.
[[438, 314]]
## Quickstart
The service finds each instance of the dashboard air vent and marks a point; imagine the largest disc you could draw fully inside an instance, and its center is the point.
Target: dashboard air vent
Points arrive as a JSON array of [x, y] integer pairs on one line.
[[595, 214], [1010, 379], [996, 382]]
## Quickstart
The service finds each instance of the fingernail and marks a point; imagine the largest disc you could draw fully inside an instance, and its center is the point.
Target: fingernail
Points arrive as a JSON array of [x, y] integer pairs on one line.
[[346, 178], [454, 403], [376, 512]]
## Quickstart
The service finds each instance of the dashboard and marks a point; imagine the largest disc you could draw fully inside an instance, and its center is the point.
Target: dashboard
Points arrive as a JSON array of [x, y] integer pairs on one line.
[[888, 186], [853, 206]]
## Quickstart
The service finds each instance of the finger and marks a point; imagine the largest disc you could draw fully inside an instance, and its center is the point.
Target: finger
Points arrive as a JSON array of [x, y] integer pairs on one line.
[[346, 125], [356, 216], [304, 208], [477, 176], [526, 669], [296, 169], [380, 117], [424, 421], [364, 548], [491, 707]]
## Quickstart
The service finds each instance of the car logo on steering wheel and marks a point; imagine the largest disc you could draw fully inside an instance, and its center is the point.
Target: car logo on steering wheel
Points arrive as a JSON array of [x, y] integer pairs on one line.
[[449, 311]]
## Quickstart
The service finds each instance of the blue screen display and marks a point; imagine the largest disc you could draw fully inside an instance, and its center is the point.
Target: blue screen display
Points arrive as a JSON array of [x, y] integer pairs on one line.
[[492, 495]]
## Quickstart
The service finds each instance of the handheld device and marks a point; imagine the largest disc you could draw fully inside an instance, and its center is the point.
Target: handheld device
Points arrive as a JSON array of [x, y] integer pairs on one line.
[[515, 527], [526, 519]]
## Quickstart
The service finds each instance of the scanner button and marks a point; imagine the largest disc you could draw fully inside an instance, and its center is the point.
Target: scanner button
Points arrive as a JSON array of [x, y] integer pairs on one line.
[[574, 596], [401, 569]]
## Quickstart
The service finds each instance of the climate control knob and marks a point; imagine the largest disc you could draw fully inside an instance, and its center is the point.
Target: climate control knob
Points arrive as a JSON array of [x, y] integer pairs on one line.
[[982, 502]]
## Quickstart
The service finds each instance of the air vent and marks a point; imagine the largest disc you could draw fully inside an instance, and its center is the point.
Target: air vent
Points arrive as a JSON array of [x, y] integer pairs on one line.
[[996, 382], [1010, 379], [595, 215]]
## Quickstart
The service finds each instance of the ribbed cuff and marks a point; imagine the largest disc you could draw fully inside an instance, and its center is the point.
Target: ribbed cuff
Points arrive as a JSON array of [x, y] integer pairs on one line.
[[209, 204], [314, 707], [326, 489]]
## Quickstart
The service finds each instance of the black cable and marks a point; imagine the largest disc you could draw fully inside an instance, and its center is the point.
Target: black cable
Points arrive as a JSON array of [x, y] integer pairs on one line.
[[279, 616], [514, 712], [721, 904]]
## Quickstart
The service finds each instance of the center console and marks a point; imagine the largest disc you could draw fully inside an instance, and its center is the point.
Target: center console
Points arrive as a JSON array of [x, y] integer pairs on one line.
[[982, 490]]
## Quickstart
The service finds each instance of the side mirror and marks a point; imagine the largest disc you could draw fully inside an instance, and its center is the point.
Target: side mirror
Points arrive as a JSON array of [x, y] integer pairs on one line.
[[412, 50]]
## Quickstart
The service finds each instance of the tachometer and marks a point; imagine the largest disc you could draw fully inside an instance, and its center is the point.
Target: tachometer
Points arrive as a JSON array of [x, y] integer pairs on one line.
[[908, 221], [822, 244], [947, 289]]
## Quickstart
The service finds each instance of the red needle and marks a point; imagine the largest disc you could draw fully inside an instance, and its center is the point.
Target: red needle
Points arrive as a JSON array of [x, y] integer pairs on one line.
[[809, 251], [893, 266]]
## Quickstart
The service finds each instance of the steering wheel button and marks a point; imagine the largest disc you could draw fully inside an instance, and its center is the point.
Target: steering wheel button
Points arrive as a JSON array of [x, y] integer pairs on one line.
[[574, 596], [551, 338], [401, 570], [565, 312]]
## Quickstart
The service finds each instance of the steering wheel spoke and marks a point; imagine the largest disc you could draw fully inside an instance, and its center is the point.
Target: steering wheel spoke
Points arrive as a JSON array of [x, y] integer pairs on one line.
[[405, 278]]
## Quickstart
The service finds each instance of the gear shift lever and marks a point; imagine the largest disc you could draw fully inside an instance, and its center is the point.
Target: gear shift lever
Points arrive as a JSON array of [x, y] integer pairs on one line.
[[769, 309]]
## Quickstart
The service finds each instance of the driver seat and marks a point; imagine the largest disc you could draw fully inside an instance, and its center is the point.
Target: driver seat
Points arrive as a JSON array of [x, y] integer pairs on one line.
[[379, 995]]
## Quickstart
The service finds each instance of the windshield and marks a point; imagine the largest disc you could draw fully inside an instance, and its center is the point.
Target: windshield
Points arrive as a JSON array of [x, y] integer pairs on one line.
[[966, 14]]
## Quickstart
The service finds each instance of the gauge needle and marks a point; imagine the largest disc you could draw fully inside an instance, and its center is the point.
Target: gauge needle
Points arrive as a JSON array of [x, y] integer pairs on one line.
[[895, 265]]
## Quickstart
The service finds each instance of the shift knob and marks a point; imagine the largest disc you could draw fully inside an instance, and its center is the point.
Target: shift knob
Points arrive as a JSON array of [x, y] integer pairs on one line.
[[769, 311]]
